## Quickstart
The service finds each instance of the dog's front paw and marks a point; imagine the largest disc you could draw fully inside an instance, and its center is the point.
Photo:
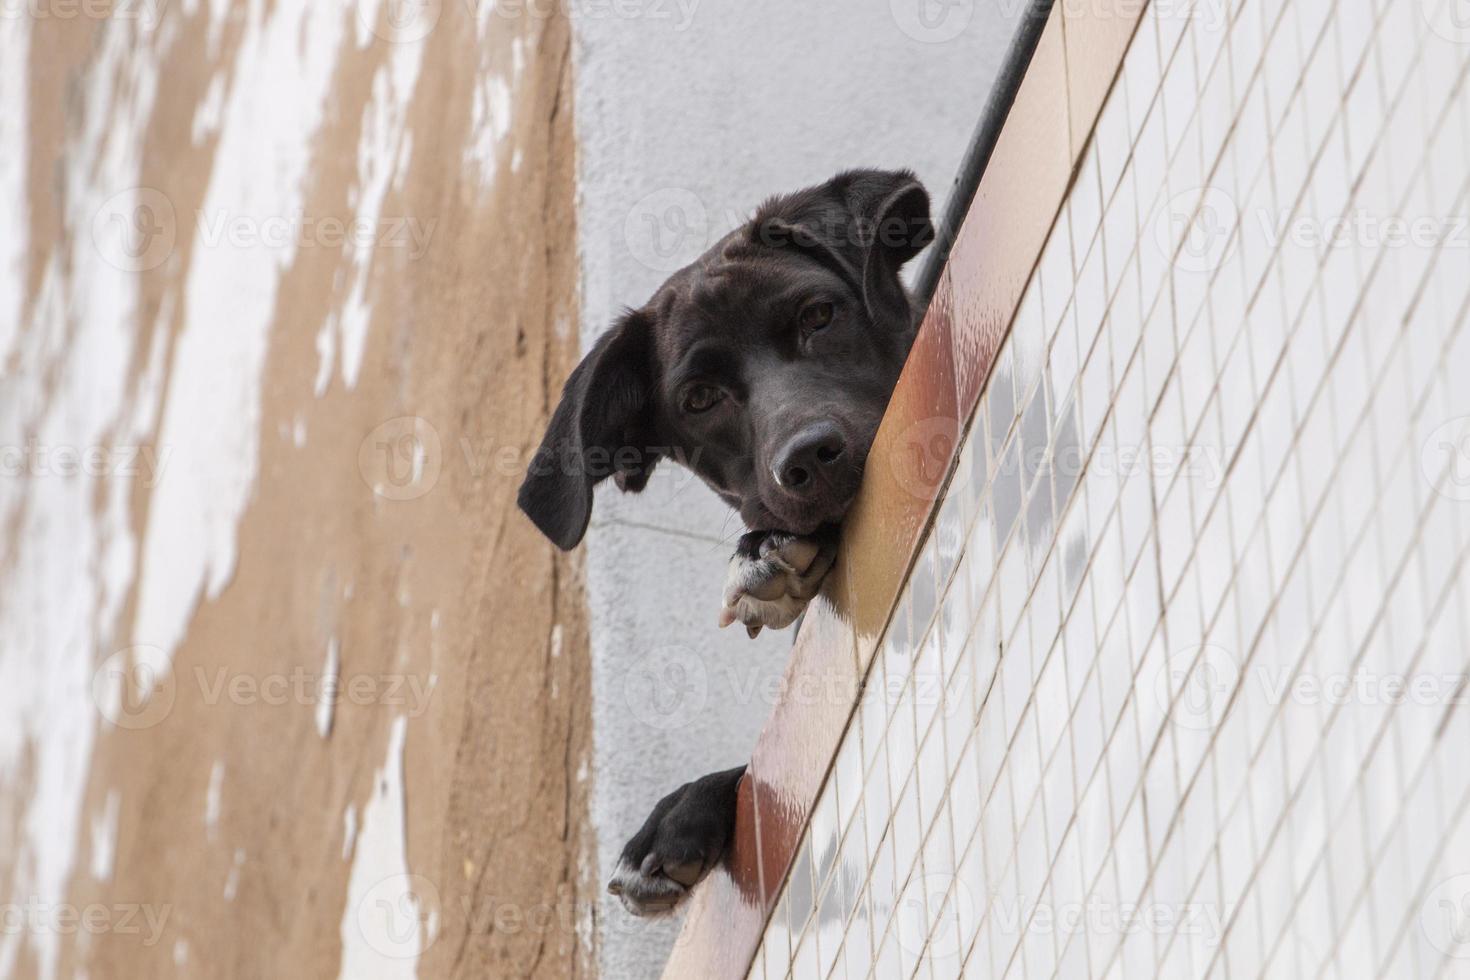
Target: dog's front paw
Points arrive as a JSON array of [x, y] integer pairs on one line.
[[679, 844], [773, 575]]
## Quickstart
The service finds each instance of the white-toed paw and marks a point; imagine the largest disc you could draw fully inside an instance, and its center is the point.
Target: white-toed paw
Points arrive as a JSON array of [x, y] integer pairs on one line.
[[680, 843], [772, 577], [646, 891]]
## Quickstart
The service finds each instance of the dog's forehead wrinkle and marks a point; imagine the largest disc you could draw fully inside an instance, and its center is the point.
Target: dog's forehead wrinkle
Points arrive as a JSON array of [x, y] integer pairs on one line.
[[704, 310], [706, 351], [745, 295]]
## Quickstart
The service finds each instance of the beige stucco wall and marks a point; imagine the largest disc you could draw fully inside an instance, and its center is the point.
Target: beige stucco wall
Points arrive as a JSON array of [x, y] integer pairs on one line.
[[263, 362]]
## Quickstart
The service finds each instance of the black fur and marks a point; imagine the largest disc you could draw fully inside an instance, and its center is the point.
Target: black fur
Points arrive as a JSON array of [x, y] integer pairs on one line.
[[784, 443], [681, 842]]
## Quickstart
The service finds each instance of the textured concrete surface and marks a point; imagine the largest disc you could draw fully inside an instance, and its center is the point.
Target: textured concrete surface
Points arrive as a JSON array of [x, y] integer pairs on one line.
[[287, 291], [687, 117], [249, 446]]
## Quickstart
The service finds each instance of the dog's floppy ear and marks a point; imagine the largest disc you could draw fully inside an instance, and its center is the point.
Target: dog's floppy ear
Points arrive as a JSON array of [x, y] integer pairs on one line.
[[901, 230], [596, 431], [864, 224]]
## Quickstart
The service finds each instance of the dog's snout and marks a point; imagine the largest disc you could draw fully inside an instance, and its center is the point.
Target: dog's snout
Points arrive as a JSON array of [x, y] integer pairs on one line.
[[805, 461]]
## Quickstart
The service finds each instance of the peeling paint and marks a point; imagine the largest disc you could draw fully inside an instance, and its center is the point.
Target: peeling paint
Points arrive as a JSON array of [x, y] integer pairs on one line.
[[14, 116], [380, 150], [212, 799], [490, 120], [212, 412], [232, 880], [326, 705], [349, 831], [56, 618], [384, 927], [104, 837], [207, 114]]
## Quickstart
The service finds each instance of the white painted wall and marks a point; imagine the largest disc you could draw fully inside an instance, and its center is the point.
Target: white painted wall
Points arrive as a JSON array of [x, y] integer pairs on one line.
[[689, 113]]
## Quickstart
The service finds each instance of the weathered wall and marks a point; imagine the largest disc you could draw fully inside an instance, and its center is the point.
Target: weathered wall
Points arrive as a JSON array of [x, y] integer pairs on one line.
[[173, 276], [688, 115]]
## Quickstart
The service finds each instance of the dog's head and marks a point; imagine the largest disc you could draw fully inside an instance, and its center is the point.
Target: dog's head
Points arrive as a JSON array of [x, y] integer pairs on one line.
[[765, 366]]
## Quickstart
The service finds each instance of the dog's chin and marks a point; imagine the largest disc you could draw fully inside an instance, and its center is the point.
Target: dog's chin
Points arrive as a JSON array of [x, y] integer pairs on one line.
[[802, 521]]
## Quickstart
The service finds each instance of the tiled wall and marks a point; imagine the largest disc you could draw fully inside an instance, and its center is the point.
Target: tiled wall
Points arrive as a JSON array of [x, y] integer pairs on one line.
[[1174, 686]]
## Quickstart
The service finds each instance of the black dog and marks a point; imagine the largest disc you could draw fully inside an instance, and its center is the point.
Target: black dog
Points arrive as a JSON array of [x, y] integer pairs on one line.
[[765, 367]]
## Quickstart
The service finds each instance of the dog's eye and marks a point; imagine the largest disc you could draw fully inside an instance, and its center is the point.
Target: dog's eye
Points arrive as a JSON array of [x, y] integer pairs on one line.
[[701, 398], [816, 317]]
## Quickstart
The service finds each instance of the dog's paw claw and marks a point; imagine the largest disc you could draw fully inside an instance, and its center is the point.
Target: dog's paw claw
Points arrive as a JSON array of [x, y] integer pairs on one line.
[[772, 577], [646, 893]]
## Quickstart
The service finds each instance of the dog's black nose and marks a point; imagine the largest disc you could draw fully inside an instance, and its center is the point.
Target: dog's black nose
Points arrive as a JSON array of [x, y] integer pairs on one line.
[[805, 460]]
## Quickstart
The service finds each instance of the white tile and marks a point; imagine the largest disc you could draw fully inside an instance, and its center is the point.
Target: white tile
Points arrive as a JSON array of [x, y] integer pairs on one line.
[[1032, 758]]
